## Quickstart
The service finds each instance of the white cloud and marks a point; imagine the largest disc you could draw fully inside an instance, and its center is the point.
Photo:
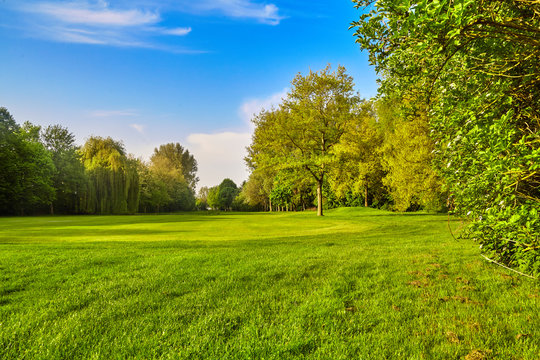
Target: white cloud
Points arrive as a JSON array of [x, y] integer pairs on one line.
[[138, 127], [177, 31], [96, 22], [97, 14], [248, 9], [267, 14], [254, 106], [220, 156]]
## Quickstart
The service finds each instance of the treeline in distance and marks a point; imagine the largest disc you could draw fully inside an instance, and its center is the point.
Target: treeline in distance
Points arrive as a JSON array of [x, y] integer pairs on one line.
[[43, 171]]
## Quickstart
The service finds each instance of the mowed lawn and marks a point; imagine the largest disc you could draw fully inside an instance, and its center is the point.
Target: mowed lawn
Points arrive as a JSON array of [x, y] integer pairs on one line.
[[355, 284]]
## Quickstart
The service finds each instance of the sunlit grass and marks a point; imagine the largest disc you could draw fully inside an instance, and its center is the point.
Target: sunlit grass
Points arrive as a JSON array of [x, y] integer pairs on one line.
[[357, 283]]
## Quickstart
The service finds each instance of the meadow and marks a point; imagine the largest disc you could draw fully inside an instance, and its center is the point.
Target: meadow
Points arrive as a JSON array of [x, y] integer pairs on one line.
[[354, 284]]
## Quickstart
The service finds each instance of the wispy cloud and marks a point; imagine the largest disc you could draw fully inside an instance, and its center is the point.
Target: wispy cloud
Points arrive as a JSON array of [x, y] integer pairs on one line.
[[262, 12], [138, 127], [131, 23], [94, 14], [176, 31], [97, 22], [252, 107]]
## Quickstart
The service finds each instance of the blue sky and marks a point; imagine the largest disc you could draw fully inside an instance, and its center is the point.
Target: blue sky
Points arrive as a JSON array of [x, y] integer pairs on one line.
[[152, 72]]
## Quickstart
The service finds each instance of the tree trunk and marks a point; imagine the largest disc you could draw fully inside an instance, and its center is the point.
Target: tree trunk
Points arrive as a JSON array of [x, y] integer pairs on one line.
[[365, 197], [319, 198], [52, 209], [270, 200]]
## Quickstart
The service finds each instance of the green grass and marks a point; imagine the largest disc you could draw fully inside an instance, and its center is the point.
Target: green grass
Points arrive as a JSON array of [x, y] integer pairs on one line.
[[355, 284]]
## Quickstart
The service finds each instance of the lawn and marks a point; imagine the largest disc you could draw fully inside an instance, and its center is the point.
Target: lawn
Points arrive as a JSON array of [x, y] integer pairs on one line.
[[355, 284]]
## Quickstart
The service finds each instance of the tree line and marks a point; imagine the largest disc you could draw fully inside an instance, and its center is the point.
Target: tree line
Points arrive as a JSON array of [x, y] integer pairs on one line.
[[44, 171]]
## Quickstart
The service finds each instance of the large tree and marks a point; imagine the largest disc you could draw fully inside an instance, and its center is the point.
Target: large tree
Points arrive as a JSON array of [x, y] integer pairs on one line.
[[176, 168], [113, 186], [357, 168], [69, 178], [27, 168], [474, 66], [301, 134], [176, 158], [221, 197]]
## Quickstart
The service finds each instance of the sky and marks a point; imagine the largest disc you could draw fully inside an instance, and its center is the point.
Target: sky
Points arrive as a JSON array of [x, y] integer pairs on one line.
[[151, 72]]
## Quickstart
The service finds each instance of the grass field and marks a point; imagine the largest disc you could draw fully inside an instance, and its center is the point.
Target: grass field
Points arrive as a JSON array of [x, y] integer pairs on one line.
[[355, 284]]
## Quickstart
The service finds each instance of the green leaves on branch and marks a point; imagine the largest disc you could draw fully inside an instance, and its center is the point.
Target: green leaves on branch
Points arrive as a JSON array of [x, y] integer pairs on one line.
[[474, 66]]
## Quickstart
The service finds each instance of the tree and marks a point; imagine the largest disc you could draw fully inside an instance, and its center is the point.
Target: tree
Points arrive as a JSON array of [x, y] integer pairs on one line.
[[407, 154], [222, 196], [153, 190], [201, 202], [27, 168], [257, 190], [176, 169], [301, 134], [113, 186], [473, 65], [69, 179], [357, 164], [174, 156]]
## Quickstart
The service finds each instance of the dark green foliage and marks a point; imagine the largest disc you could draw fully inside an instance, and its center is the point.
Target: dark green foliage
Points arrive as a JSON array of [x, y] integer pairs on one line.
[[26, 168], [69, 180], [475, 66], [221, 197], [281, 194]]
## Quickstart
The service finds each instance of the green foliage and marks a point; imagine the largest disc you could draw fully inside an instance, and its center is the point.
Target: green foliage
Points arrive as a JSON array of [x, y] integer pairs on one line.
[[356, 169], [407, 156], [201, 201], [257, 188], [475, 65], [27, 168], [69, 179], [113, 186], [221, 197], [172, 169], [281, 194], [300, 135], [153, 193], [174, 157], [356, 284]]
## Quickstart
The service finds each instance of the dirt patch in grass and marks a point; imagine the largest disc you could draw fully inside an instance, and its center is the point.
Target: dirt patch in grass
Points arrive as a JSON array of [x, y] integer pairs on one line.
[[478, 355]]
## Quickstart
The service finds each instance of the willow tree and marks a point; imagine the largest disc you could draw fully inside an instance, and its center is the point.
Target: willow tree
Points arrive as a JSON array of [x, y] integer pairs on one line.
[[301, 134], [113, 185]]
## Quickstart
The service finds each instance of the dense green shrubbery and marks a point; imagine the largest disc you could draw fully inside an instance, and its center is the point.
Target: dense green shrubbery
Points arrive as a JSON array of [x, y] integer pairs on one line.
[[474, 65]]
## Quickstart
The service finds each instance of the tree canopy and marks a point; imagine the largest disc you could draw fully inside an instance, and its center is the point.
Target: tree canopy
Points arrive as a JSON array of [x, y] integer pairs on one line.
[[302, 132]]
